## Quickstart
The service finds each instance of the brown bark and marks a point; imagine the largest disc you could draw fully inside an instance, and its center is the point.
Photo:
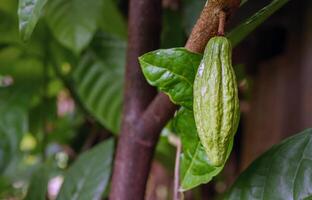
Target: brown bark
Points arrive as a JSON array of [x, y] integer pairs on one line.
[[140, 131], [144, 36], [132, 159], [208, 23]]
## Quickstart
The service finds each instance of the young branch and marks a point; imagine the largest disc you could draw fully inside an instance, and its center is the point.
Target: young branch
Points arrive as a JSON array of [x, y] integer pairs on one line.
[[222, 18]]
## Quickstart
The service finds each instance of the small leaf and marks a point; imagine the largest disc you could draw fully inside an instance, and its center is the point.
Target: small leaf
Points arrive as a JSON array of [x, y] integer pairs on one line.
[[29, 12], [283, 172], [172, 71], [73, 22], [240, 32], [88, 177], [195, 168]]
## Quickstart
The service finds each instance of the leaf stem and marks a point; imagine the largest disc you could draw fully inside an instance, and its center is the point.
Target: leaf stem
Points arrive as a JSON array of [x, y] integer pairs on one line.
[[176, 141]]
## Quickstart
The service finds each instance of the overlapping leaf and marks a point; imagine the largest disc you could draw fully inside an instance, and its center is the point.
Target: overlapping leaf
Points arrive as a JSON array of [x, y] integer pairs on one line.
[[88, 177], [29, 12], [195, 168], [172, 71], [283, 172]]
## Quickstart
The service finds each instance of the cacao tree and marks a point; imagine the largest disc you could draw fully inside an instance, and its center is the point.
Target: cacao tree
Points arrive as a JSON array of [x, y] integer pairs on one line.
[[98, 98]]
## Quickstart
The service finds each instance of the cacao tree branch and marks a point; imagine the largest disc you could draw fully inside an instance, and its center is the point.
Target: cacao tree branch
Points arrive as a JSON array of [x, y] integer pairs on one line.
[[132, 159], [208, 23], [140, 130]]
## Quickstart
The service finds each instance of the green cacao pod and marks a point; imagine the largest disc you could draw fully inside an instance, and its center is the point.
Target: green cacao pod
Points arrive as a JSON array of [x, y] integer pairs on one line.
[[216, 104]]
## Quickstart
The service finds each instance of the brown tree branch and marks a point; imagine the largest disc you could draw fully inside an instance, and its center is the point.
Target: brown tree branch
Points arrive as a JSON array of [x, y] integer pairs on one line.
[[140, 130], [130, 166], [208, 23]]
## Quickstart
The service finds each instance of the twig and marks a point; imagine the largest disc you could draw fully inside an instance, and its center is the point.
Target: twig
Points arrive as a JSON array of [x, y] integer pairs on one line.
[[222, 18], [175, 141]]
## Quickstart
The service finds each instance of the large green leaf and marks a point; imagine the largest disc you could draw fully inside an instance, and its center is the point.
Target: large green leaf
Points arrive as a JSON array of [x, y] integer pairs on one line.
[[29, 12], [74, 22], [283, 172], [244, 29], [99, 82], [88, 177], [195, 168], [112, 21], [172, 71]]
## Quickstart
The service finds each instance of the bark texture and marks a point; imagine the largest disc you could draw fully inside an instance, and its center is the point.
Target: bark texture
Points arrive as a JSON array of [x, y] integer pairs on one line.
[[132, 161]]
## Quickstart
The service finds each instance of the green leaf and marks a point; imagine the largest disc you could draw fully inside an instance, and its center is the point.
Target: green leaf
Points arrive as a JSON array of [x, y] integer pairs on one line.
[[29, 12], [173, 72], [283, 172], [195, 168], [112, 21], [88, 177], [73, 22], [38, 184], [240, 32], [99, 83]]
